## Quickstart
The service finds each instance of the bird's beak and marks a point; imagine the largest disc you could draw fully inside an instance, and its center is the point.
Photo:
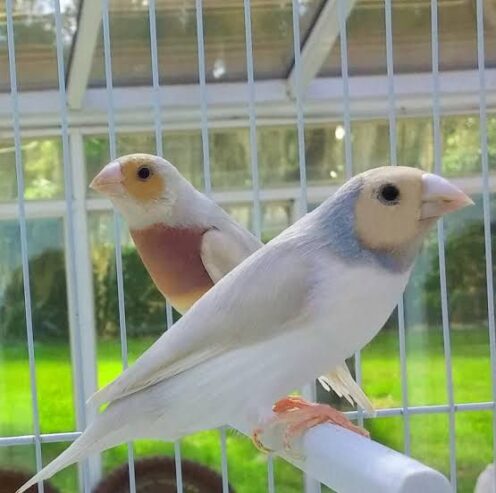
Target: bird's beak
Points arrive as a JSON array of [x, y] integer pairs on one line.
[[110, 180], [439, 197]]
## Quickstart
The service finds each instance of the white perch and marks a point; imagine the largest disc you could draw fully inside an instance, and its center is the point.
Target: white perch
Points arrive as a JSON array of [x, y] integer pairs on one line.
[[349, 463]]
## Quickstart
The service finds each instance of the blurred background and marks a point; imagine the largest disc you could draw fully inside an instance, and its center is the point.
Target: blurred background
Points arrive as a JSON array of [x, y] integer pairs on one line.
[[356, 114]]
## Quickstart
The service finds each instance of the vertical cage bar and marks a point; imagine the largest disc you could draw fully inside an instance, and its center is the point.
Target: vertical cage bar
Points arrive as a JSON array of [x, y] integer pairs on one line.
[[436, 123], [203, 97], [271, 483], [343, 38], [71, 261], [117, 225], [257, 210], [393, 149], [257, 222], [486, 204], [300, 122], [208, 184], [310, 391], [223, 464], [159, 149], [346, 89], [23, 235], [157, 119]]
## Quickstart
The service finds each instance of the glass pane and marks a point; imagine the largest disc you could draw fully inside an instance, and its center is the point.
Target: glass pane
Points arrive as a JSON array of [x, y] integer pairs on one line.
[[43, 169], [230, 159], [412, 51], [279, 159], [415, 143], [278, 155], [50, 328], [461, 145], [224, 32], [34, 32], [275, 216], [365, 33], [184, 150], [370, 145], [242, 213], [324, 149]]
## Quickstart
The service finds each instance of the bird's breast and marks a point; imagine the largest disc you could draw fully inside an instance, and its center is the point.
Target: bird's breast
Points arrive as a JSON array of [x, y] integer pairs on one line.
[[172, 258], [355, 302]]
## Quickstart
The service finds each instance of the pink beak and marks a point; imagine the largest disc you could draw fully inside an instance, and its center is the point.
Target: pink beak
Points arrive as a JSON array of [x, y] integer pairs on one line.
[[110, 180], [441, 197]]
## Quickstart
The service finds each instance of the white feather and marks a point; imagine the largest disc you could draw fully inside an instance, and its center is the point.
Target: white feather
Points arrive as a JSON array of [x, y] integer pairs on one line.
[[341, 381]]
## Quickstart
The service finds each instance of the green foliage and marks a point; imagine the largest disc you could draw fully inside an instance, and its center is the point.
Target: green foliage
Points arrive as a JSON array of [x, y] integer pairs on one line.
[[48, 296], [43, 175], [145, 306], [461, 145], [465, 264], [466, 276]]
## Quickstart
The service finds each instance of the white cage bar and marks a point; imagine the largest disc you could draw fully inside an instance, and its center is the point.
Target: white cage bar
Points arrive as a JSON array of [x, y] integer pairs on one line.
[[299, 100], [112, 133]]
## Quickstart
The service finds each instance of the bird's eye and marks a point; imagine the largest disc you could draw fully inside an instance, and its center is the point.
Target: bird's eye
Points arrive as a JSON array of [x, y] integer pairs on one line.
[[389, 194], [144, 173]]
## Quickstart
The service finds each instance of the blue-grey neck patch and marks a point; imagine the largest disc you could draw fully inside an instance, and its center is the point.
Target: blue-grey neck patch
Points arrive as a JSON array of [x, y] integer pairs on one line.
[[337, 216]]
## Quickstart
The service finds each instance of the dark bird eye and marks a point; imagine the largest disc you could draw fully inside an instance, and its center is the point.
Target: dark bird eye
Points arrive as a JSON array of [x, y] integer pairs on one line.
[[389, 194], [144, 173]]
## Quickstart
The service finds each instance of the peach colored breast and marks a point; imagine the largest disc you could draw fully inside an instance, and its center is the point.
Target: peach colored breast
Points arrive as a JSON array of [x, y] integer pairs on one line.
[[172, 258]]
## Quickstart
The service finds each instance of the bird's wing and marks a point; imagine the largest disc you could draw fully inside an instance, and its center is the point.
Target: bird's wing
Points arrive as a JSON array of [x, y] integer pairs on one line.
[[341, 381], [224, 249], [265, 296], [221, 251]]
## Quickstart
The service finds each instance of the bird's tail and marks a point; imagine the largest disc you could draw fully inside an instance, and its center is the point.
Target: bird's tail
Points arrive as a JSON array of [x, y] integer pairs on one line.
[[95, 438], [343, 384]]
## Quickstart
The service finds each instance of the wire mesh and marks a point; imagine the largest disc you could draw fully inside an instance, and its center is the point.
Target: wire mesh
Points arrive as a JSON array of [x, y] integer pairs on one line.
[[406, 411]]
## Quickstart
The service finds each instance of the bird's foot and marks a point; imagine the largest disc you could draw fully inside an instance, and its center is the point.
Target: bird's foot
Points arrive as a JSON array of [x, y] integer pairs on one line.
[[296, 415], [300, 415]]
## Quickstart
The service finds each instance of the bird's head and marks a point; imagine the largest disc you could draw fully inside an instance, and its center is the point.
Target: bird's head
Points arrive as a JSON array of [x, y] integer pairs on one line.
[[143, 187], [389, 210]]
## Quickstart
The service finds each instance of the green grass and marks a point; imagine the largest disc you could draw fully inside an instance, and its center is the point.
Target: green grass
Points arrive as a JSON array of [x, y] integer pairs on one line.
[[247, 468]]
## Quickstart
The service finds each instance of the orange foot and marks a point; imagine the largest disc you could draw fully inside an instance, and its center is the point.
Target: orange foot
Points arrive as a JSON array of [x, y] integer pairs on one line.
[[297, 415]]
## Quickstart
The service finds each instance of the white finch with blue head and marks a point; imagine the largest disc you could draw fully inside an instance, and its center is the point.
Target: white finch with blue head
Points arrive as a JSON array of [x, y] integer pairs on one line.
[[307, 300], [186, 241]]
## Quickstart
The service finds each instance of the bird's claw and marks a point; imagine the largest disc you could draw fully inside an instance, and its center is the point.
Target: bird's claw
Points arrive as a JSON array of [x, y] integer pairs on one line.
[[301, 415], [296, 415], [255, 437]]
